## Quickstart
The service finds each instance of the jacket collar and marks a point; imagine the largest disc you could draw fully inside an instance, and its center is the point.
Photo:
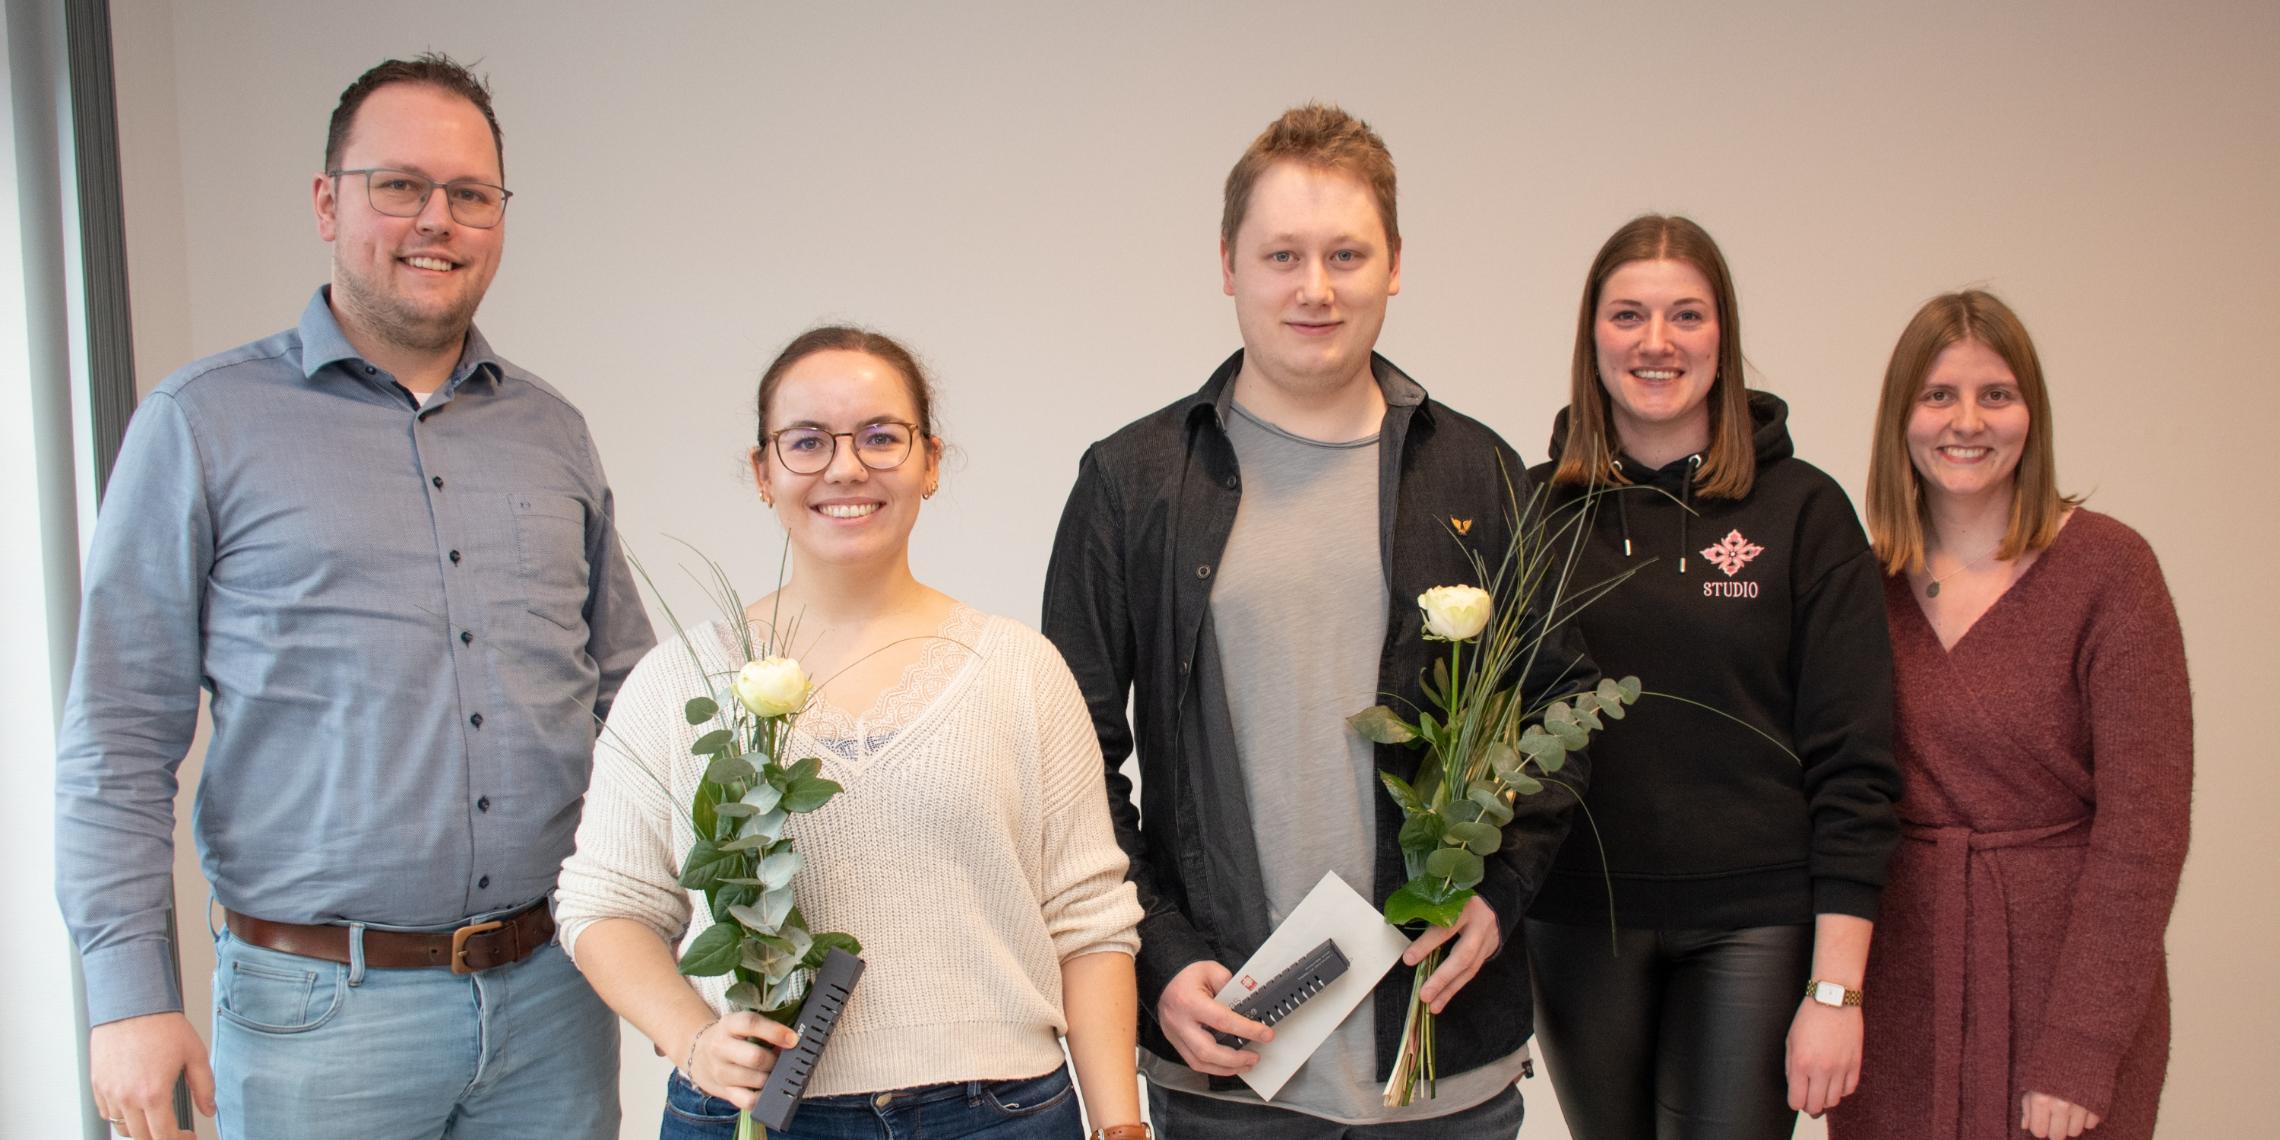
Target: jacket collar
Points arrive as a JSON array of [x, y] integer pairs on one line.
[[1216, 398]]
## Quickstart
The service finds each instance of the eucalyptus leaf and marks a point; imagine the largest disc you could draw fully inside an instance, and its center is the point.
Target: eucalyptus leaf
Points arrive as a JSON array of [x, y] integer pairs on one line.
[[1630, 688], [1502, 758], [788, 992], [1493, 809], [809, 793], [1478, 838], [777, 870], [1571, 735], [753, 921], [763, 796], [1551, 763], [1589, 719], [1412, 902], [711, 953], [705, 863], [1421, 833], [1458, 865], [745, 843], [1558, 714], [700, 710], [729, 768], [775, 905], [737, 810], [718, 740], [1378, 724], [769, 827], [1540, 745], [1402, 793], [1526, 784], [743, 995], [1459, 811]]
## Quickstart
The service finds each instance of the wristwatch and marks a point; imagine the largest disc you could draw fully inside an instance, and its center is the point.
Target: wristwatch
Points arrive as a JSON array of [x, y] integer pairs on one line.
[[1832, 994], [1123, 1132]]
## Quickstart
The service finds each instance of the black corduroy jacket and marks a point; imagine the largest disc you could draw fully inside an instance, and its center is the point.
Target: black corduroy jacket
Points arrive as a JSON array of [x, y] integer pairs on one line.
[[1127, 601]]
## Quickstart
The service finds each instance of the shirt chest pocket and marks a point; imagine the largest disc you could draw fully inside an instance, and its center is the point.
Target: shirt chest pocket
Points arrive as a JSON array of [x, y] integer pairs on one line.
[[550, 555]]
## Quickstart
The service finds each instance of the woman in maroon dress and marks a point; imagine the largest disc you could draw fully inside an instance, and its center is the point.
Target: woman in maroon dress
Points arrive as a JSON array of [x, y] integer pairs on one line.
[[2045, 733]]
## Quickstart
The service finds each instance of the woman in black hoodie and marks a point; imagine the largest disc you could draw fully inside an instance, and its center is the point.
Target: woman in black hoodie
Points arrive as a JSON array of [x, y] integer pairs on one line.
[[1745, 833]]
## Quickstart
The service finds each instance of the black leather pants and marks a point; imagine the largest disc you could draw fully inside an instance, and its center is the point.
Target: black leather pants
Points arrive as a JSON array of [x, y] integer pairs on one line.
[[1678, 1035]]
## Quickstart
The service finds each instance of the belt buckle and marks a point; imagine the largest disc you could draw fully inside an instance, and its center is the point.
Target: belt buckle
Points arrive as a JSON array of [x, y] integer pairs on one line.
[[459, 939]]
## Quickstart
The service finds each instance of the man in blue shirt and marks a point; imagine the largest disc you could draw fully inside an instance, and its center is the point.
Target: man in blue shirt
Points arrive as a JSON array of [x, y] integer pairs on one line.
[[389, 556]]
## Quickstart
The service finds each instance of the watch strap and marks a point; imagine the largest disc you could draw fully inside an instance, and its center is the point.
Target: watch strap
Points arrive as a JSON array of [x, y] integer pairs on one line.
[[1852, 997], [1123, 1132]]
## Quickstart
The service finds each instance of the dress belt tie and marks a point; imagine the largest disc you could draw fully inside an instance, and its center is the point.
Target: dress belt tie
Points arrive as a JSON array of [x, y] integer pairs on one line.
[[1971, 946]]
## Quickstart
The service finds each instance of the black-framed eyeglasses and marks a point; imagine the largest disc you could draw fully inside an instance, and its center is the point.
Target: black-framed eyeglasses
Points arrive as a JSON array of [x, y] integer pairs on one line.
[[403, 194], [880, 446]]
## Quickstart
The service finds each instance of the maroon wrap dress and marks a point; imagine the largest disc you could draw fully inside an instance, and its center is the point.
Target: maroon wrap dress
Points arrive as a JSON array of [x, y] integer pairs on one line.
[[2048, 765]]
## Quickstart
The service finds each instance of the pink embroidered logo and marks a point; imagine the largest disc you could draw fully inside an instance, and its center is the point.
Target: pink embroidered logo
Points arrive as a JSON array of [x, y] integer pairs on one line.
[[1732, 553]]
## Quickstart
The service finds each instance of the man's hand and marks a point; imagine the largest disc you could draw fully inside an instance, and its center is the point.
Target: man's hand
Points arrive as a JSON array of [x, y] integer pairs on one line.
[[1823, 1064], [1189, 1014], [1477, 938], [131, 1067], [2048, 1116]]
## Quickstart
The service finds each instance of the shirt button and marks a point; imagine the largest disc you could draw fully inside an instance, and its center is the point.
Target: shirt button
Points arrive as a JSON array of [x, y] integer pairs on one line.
[[1184, 663], [438, 481], [466, 637], [1233, 482], [370, 371], [483, 884], [455, 558], [1203, 571], [476, 720], [483, 804]]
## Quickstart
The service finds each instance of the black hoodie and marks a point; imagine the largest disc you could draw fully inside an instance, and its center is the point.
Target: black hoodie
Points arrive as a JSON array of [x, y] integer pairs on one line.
[[1771, 609]]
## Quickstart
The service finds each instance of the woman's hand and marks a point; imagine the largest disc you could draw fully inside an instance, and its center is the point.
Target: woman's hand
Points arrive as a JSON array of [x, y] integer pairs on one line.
[[725, 1064], [1823, 1062], [2054, 1119]]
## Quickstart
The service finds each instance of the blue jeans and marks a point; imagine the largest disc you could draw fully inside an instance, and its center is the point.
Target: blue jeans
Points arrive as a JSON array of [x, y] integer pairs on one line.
[[305, 1047], [1032, 1108], [1186, 1116]]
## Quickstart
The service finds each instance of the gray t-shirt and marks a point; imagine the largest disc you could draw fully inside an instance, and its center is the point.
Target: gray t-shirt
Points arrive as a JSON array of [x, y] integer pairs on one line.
[[1298, 615]]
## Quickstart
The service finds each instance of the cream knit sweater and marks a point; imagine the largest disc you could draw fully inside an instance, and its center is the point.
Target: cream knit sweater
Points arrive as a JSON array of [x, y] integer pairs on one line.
[[971, 853]]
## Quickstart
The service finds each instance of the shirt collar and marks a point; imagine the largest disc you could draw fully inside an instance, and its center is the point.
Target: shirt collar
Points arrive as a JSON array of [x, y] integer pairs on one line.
[[323, 343]]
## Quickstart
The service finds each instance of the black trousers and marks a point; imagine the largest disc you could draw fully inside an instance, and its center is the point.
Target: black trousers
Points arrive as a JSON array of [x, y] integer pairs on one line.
[[1669, 1034]]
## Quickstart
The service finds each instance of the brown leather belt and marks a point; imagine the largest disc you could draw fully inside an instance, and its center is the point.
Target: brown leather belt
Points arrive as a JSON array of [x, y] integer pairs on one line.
[[471, 948]]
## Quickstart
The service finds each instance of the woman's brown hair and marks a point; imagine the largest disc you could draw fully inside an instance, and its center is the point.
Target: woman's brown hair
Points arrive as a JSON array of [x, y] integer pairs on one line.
[[1587, 456], [1896, 491]]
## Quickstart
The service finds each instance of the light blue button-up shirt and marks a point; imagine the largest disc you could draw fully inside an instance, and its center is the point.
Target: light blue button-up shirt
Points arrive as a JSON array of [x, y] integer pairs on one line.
[[409, 619]]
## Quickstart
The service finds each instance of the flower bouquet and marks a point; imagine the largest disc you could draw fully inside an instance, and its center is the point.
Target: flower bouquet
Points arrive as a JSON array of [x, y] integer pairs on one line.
[[1490, 743], [741, 859]]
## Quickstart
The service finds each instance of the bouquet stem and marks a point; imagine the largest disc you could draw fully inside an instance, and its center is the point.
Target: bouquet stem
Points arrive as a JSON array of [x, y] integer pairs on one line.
[[1414, 1061], [748, 1128]]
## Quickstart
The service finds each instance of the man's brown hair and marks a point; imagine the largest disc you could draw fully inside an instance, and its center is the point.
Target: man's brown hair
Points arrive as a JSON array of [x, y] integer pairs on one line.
[[431, 69], [1320, 136]]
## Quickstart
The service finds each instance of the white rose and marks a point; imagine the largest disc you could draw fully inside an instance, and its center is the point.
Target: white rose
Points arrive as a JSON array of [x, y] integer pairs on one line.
[[1455, 613], [772, 686]]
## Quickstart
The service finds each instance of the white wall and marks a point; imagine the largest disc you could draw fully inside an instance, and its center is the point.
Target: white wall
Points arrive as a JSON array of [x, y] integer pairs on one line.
[[1028, 193]]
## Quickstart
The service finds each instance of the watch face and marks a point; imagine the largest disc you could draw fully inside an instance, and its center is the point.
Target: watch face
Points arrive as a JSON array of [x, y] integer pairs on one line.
[[1829, 993]]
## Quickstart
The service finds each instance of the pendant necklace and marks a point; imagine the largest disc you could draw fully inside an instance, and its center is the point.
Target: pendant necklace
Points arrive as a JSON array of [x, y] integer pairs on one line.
[[1932, 589]]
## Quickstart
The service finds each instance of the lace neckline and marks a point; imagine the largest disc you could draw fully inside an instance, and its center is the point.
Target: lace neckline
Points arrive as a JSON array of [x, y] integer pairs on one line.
[[856, 737]]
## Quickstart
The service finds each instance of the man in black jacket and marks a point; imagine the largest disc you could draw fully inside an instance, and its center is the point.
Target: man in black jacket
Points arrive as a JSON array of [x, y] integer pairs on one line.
[[1241, 566]]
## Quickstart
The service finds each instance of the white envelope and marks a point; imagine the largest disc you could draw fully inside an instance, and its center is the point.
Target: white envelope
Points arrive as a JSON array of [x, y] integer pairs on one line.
[[1331, 910]]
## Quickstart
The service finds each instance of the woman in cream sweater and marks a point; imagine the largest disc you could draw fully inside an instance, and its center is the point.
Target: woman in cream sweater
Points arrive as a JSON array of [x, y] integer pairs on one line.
[[970, 850]]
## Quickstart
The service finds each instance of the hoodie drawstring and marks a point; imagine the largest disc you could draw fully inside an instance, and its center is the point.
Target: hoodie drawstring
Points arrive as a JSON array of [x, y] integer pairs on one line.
[[1686, 507], [1623, 513]]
